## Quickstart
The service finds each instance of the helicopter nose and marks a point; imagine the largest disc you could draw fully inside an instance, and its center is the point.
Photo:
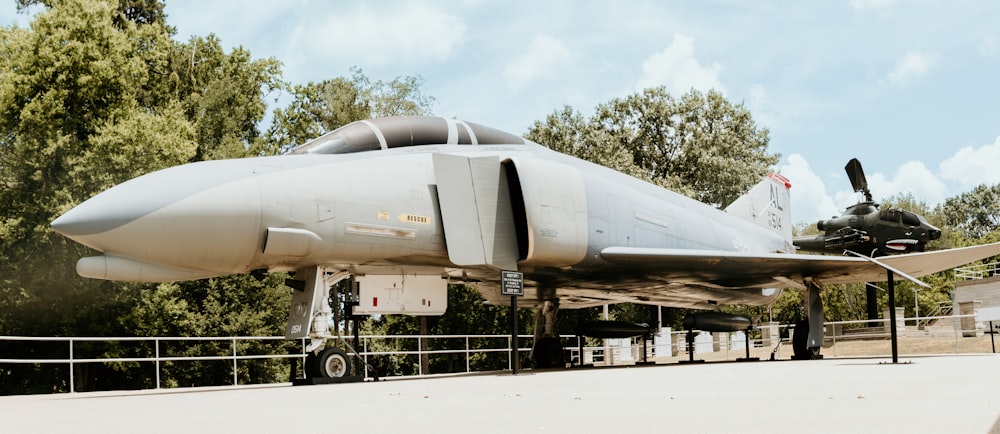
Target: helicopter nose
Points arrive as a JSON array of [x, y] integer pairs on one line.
[[934, 234]]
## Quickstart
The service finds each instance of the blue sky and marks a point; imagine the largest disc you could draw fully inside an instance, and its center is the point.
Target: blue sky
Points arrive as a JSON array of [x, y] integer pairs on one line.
[[910, 88]]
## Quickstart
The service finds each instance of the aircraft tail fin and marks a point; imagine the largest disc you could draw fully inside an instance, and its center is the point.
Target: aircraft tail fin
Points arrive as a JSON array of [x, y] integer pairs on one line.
[[767, 204]]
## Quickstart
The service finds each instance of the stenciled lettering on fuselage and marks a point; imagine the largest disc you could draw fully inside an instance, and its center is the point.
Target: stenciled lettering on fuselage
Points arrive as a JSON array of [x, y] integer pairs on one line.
[[774, 212], [411, 218]]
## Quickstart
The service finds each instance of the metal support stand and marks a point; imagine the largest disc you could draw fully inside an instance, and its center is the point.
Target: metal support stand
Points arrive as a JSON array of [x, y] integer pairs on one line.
[[871, 300], [746, 336], [293, 367], [993, 331], [515, 359], [814, 312], [892, 316], [690, 348], [890, 272], [645, 359]]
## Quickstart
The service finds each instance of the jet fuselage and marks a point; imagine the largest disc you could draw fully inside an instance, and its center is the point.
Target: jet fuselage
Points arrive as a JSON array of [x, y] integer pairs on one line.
[[380, 212]]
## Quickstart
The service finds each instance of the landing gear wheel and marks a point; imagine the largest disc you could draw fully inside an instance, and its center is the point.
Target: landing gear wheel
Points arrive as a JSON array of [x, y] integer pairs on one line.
[[308, 366], [329, 363], [548, 353], [800, 339]]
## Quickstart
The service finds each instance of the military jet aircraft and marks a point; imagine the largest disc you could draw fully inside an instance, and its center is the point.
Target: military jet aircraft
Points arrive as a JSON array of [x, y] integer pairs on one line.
[[404, 205]]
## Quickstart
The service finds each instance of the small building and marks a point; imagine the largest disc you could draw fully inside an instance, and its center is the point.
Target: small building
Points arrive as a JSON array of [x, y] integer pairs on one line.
[[976, 287]]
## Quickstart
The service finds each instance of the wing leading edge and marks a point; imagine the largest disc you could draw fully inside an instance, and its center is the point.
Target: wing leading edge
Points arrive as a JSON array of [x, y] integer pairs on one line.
[[780, 270]]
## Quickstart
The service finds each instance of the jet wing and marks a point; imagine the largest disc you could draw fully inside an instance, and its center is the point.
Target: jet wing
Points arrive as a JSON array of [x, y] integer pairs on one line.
[[778, 270]]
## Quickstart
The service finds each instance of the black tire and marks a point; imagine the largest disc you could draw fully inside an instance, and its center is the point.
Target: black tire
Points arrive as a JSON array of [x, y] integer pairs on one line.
[[800, 340], [308, 366], [329, 363], [548, 353]]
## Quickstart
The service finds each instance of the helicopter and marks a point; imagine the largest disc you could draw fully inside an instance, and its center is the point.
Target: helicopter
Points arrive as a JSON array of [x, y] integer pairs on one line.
[[866, 230]]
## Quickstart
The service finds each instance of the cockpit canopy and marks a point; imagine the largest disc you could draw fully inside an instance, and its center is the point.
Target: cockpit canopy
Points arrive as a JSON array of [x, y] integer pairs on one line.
[[401, 131], [899, 216]]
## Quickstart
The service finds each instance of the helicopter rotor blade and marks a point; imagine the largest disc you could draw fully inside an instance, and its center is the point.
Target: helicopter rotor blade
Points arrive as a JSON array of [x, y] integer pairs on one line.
[[857, 177]]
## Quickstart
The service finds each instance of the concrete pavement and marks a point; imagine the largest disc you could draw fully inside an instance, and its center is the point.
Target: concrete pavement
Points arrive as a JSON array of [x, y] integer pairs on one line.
[[924, 394]]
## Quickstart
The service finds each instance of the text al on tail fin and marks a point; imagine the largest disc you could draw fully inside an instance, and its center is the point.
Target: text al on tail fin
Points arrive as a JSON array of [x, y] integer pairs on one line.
[[767, 204]]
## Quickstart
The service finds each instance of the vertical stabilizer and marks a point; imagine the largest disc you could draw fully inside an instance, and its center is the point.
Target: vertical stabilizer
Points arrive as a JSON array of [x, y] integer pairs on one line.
[[767, 204]]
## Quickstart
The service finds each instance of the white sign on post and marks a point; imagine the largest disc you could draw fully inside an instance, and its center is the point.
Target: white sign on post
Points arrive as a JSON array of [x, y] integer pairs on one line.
[[511, 283], [988, 314]]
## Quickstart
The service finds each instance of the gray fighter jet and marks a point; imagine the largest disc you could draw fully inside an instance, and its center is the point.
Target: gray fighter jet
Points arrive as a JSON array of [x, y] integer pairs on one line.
[[404, 205]]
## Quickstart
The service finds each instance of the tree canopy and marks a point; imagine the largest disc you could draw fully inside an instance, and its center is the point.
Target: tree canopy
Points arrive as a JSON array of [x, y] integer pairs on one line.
[[701, 145], [975, 213], [330, 104]]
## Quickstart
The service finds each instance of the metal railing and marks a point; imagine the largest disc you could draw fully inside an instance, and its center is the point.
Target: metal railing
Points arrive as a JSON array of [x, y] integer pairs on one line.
[[979, 271], [836, 333], [367, 342], [841, 339], [374, 346], [157, 357], [72, 360], [943, 309]]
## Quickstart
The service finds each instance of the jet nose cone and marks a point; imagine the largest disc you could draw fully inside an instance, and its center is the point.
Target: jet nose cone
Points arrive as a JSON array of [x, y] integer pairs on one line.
[[91, 217], [200, 216], [63, 224], [67, 224]]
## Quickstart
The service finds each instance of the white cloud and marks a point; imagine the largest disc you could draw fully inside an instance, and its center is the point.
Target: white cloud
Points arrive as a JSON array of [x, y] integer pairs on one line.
[[810, 201], [973, 166], [542, 58], [677, 68], [412, 32], [912, 65], [766, 111], [912, 177]]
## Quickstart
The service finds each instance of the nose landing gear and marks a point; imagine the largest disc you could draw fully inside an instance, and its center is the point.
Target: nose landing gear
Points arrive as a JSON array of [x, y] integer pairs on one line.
[[328, 363]]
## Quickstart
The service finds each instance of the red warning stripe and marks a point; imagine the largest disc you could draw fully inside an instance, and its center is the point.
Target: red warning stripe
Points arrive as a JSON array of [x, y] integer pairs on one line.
[[777, 177]]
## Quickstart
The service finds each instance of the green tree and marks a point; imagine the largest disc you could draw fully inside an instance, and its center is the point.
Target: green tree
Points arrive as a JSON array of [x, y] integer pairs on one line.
[[701, 145], [567, 131], [329, 104], [136, 11], [224, 95], [92, 94], [975, 213], [72, 125], [225, 306]]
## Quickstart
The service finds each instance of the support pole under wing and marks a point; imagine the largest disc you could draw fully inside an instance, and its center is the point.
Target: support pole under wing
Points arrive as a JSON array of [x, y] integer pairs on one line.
[[814, 312], [476, 211]]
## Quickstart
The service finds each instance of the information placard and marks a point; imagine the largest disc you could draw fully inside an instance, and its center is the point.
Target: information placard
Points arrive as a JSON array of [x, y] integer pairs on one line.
[[511, 283], [988, 314]]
